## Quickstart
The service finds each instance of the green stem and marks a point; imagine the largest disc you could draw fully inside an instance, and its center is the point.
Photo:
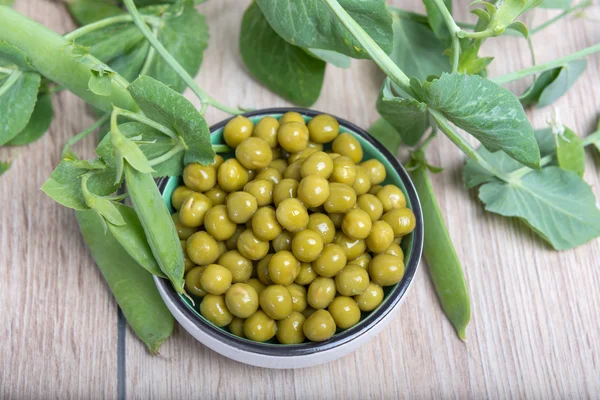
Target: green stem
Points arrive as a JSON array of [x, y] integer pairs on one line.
[[84, 134], [521, 172], [221, 148], [377, 54], [453, 29], [84, 30], [560, 16], [12, 79], [476, 35], [51, 55], [6, 70], [167, 156], [465, 147], [204, 97], [591, 139], [513, 76], [422, 18], [149, 56], [146, 121]]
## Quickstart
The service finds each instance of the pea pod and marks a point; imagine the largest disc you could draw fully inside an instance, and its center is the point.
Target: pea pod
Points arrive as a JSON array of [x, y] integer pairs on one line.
[[443, 264], [157, 223], [132, 287], [131, 237]]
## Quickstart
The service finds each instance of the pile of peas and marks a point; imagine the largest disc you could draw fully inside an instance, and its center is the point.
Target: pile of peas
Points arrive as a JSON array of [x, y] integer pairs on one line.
[[286, 239]]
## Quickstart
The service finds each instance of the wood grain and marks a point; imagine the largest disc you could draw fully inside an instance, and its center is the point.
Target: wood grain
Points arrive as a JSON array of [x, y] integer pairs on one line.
[[534, 331]]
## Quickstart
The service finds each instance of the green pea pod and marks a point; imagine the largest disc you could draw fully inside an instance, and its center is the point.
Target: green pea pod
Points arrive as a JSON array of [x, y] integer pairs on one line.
[[157, 223], [131, 236], [132, 287], [443, 264]]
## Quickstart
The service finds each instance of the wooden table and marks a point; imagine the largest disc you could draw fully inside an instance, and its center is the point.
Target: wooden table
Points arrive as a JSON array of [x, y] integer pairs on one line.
[[534, 331]]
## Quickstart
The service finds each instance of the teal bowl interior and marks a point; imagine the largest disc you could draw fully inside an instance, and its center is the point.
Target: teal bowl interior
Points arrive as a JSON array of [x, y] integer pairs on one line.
[[412, 253]]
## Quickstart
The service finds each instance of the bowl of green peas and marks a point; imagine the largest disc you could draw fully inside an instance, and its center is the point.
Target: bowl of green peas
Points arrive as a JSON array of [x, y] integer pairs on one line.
[[300, 240]]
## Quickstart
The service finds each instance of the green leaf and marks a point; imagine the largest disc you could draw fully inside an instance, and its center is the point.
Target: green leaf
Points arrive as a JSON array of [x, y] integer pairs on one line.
[[184, 34], [169, 108], [310, 24], [18, 95], [12, 57], [162, 144], [4, 166], [112, 41], [570, 152], [331, 57], [417, 51], [101, 81], [64, 185], [126, 149], [39, 122], [557, 204], [132, 286], [385, 133], [553, 84], [507, 11], [519, 27], [408, 117], [284, 68], [469, 61], [489, 112], [560, 4], [436, 21], [88, 11]]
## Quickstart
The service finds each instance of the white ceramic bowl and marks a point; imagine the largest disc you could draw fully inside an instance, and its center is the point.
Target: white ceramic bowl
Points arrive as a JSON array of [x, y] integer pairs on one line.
[[275, 355]]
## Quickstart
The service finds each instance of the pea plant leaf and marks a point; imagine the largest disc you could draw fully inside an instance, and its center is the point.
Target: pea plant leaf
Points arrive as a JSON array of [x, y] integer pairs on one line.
[[88, 11], [310, 24], [284, 68], [169, 108], [18, 95], [417, 51], [101, 81], [155, 144], [39, 122], [331, 57], [489, 112], [570, 152], [184, 33], [436, 21], [385, 133], [64, 185], [179, 27], [408, 117], [557, 204], [553, 84]]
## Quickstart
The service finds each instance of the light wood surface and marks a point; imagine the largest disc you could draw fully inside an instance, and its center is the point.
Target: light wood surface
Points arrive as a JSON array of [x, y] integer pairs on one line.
[[534, 331]]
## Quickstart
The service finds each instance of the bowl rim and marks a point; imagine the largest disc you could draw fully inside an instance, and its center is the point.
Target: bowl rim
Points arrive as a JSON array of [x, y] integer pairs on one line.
[[345, 336]]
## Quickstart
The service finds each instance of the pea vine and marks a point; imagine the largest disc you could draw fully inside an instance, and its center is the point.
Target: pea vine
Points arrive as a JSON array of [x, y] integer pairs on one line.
[[132, 64]]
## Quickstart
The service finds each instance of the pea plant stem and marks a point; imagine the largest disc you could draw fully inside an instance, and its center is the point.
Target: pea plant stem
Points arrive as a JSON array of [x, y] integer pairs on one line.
[[453, 29], [150, 56], [82, 135], [594, 138], [513, 76], [167, 156], [560, 16], [84, 30], [413, 16], [204, 97], [6, 70], [466, 148], [377, 54], [221, 148]]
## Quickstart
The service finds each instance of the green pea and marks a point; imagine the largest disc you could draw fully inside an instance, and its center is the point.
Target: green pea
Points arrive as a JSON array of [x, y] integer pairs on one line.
[[443, 264], [157, 223]]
